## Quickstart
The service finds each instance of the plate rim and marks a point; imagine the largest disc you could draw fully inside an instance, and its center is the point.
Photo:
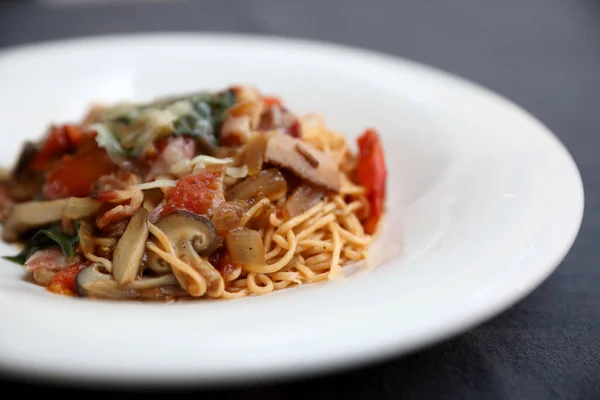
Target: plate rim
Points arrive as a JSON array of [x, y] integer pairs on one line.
[[484, 314]]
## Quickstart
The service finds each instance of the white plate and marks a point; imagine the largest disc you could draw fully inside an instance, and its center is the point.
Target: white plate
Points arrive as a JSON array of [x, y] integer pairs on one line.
[[484, 202]]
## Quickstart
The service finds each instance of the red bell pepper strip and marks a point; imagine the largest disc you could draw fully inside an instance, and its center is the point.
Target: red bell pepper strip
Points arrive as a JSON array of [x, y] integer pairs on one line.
[[372, 173]]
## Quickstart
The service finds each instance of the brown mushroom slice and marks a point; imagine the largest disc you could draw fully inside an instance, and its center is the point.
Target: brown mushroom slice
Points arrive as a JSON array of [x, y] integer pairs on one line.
[[164, 293], [303, 160], [87, 276], [157, 264], [43, 276], [183, 228], [81, 207], [129, 251], [192, 236], [23, 183], [92, 282], [28, 153], [151, 283], [33, 214]]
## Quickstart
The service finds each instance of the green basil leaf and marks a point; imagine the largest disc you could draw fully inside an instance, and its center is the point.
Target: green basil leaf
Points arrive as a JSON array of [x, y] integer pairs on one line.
[[205, 123], [43, 239], [220, 104]]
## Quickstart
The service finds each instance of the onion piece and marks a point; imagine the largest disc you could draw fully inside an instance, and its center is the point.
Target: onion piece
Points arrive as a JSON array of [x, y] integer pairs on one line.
[[269, 183], [246, 247], [229, 215], [254, 153]]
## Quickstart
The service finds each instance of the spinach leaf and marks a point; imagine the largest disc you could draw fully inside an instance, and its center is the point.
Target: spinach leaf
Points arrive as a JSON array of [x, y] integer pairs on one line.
[[204, 124], [219, 105], [43, 239], [198, 128]]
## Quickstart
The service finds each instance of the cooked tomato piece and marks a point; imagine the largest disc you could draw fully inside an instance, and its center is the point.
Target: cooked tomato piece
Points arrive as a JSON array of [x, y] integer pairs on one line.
[[221, 260], [295, 129], [272, 101], [62, 139], [75, 175], [199, 194], [372, 173], [63, 282]]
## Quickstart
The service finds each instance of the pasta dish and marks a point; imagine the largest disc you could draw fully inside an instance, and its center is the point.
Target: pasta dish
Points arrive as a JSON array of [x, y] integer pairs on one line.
[[218, 194]]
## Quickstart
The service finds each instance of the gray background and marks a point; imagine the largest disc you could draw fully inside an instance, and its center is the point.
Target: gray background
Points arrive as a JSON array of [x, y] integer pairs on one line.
[[542, 54]]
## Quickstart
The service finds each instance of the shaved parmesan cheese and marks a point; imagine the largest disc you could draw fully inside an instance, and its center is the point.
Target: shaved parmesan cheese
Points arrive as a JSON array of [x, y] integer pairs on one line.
[[186, 167], [159, 183], [208, 160], [181, 168], [237, 172]]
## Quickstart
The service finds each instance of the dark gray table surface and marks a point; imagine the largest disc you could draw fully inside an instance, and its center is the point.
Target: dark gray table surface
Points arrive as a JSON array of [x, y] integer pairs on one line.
[[542, 54]]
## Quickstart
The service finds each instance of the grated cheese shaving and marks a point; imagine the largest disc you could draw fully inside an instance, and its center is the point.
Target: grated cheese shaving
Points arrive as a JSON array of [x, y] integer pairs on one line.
[[208, 160], [159, 183], [237, 172]]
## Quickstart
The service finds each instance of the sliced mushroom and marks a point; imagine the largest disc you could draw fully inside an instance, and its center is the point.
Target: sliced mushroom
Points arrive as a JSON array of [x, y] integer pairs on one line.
[[130, 248], [28, 153], [43, 276], [157, 264], [23, 183], [185, 228], [192, 236], [5, 175], [86, 277], [78, 207], [6, 204], [151, 283], [91, 282], [303, 160], [34, 214], [25, 188], [164, 293]]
